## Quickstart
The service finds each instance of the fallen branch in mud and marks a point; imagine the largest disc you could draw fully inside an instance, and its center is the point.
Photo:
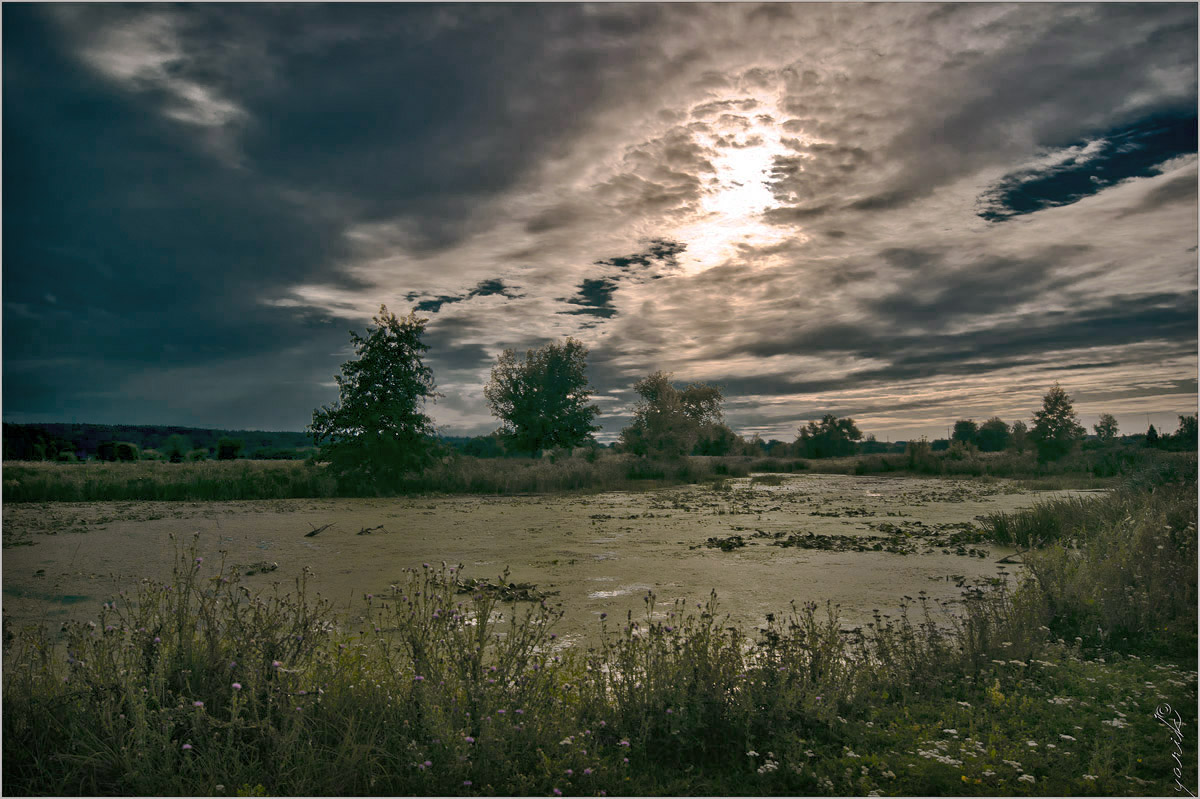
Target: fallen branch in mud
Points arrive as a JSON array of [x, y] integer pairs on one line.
[[320, 529]]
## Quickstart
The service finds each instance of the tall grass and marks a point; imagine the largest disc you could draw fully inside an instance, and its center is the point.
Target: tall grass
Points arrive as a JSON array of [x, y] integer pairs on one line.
[[459, 474], [1118, 569], [149, 480]]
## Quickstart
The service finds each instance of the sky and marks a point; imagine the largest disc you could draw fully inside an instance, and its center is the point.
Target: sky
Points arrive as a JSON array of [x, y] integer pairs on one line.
[[904, 213]]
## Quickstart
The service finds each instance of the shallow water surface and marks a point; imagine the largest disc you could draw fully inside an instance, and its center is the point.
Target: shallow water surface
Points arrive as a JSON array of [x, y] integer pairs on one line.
[[599, 552]]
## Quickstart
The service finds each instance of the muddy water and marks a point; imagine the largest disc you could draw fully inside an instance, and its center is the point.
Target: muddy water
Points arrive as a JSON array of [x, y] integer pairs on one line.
[[600, 553]]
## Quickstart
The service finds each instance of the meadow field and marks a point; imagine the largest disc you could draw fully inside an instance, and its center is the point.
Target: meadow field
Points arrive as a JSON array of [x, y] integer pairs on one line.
[[833, 634]]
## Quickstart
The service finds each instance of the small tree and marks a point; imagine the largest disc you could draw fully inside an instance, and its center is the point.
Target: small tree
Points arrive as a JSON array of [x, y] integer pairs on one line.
[[228, 448], [377, 432], [1018, 436], [993, 435], [965, 431], [671, 422], [1185, 436], [542, 401], [1106, 428], [176, 447], [1151, 437], [127, 451], [1056, 428], [831, 437]]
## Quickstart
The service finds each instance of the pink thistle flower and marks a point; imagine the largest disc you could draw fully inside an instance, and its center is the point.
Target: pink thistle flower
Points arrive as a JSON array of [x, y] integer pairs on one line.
[[470, 740], [237, 686], [185, 747], [197, 703]]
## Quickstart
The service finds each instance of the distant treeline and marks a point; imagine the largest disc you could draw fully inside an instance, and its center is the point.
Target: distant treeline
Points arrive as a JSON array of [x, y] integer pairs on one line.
[[63, 441]]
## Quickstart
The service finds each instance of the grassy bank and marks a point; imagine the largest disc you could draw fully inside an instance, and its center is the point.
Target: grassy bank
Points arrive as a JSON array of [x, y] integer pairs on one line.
[[245, 480], [460, 474], [197, 687]]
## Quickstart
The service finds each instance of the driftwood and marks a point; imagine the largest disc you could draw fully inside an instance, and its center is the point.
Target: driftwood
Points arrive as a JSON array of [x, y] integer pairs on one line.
[[369, 530], [320, 529], [1009, 558]]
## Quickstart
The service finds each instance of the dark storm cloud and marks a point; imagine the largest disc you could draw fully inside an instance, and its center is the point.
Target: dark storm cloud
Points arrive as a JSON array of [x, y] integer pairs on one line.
[[202, 198], [663, 251], [1036, 339], [595, 294], [596, 298], [1134, 151], [160, 223], [486, 288], [1047, 81]]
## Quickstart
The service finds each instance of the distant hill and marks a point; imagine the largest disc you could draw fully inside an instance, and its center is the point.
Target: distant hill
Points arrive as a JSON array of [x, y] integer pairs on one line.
[[47, 440]]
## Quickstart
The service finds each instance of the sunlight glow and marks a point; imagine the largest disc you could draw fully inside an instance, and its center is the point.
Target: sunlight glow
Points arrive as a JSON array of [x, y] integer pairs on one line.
[[737, 197]]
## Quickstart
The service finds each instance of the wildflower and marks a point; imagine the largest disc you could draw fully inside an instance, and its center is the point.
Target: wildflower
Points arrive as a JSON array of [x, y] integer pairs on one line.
[[626, 743], [157, 640], [965, 704], [625, 759], [557, 792], [197, 703], [1031, 744], [587, 771], [1090, 777], [569, 772], [752, 753], [501, 712], [467, 783], [186, 747], [275, 664], [427, 763], [603, 615], [519, 712], [1066, 737], [199, 560], [470, 740], [1027, 778], [419, 678], [950, 732]]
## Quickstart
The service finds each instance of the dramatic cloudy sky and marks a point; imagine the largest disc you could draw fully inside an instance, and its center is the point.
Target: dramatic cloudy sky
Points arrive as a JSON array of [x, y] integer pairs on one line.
[[906, 213]]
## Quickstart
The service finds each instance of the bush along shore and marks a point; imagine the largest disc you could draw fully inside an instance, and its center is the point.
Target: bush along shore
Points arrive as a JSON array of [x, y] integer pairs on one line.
[[557, 472], [1080, 680]]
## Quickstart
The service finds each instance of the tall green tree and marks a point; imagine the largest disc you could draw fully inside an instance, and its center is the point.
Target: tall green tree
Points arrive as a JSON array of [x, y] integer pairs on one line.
[[176, 447], [965, 431], [1106, 428], [542, 401], [1056, 427], [671, 422], [830, 437], [1018, 436], [993, 435], [1185, 436], [377, 432]]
